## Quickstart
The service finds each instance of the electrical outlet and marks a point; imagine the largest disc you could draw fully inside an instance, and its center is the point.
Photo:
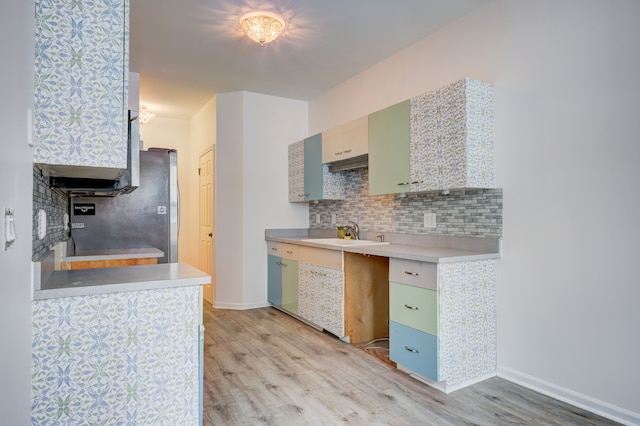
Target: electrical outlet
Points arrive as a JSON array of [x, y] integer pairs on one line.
[[77, 225], [429, 220], [333, 218], [318, 218]]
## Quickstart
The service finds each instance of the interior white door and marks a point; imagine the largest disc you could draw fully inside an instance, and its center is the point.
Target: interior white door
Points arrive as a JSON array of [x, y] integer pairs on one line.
[[207, 220]]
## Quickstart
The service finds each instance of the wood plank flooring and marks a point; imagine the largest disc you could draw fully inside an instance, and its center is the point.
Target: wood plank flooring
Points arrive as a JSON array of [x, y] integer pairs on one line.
[[263, 367]]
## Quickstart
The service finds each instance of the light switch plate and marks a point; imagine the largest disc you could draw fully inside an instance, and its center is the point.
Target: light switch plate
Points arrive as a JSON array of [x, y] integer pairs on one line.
[[333, 218], [317, 217], [429, 220]]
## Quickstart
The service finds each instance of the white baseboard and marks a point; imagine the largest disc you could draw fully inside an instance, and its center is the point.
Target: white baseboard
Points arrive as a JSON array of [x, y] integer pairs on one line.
[[240, 306], [601, 408]]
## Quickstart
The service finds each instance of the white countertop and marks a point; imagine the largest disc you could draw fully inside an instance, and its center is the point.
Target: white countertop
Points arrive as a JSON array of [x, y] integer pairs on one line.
[[113, 254], [84, 282], [401, 251]]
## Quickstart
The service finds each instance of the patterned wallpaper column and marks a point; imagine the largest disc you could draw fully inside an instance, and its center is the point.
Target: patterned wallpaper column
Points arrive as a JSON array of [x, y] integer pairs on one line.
[[117, 359], [81, 79]]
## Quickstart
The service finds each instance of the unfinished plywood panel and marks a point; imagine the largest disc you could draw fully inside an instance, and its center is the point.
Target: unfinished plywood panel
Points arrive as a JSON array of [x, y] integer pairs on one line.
[[366, 301], [114, 263]]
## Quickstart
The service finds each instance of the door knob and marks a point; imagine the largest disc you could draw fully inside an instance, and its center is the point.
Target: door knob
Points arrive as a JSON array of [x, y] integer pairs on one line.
[[211, 234]]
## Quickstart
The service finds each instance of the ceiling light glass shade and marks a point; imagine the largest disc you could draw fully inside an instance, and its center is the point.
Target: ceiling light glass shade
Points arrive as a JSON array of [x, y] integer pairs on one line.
[[145, 115], [263, 27]]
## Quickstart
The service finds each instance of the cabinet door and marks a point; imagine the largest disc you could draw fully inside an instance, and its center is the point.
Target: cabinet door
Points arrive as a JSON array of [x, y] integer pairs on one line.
[[346, 141], [452, 137], [81, 61], [290, 285], [296, 172], [321, 297], [414, 349], [319, 183], [274, 280], [389, 164], [313, 168]]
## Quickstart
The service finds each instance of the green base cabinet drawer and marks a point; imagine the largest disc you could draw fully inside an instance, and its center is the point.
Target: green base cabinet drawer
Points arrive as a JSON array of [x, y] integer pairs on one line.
[[274, 280], [413, 306], [413, 349]]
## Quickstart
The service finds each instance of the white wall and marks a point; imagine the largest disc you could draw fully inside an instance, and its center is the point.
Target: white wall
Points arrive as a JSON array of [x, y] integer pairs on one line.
[[16, 86], [567, 152], [173, 133], [253, 133]]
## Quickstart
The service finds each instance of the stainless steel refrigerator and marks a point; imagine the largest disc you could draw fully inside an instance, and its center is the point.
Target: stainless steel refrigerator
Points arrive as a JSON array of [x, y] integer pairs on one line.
[[146, 217]]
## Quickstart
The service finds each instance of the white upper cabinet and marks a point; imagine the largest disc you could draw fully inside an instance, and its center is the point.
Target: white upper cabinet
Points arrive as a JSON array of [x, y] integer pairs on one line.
[[346, 141], [81, 79]]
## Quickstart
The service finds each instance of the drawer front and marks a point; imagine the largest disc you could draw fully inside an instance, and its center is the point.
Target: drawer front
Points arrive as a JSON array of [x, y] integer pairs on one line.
[[289, 251], [316, 256], [411, 272], [274, 248], [414, 350], [414, 306]]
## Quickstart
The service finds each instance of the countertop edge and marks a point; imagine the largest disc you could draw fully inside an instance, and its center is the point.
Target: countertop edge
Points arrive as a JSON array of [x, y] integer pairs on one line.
[[400, 251], [119, 280]]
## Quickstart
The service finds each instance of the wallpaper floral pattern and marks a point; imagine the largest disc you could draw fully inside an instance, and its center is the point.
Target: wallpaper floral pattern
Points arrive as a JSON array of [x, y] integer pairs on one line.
[[296, 171], [321, 297], [117, 359], [451, 137], [467, 324], [81, 81]]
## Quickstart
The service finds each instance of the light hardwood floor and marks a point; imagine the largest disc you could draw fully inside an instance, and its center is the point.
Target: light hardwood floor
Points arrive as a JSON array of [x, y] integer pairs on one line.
[[263, 367]]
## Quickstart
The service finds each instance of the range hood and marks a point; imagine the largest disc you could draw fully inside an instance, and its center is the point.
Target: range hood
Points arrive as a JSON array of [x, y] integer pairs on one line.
[[100, 181], [359, 162]]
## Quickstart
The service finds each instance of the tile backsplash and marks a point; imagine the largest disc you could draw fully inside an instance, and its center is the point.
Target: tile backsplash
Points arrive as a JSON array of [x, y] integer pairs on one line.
[[55, 204], [469, 212]]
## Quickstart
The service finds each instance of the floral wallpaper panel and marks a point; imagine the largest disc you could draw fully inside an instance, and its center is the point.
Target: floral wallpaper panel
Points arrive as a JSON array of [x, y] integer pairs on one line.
[[467, 322], [451, 137], [117, 359], [321, 297], [81, 82]]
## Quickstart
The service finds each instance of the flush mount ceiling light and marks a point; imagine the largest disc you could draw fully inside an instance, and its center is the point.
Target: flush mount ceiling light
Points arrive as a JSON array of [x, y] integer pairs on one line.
[[146, 115], [263, 27]]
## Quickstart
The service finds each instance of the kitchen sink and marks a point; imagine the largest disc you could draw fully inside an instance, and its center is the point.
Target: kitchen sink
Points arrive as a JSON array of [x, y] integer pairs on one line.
[[343, 243]]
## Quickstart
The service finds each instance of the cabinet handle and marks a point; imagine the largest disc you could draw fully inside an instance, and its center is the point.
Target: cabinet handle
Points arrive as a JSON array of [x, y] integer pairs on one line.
[[284, 264], [279, 263], [416, 181], [346, 151], [289, 251], [413, 308], [274, 248], [337, 153], [318, 273], [413, 274], [403, 183], [306, 195], [415, 351]]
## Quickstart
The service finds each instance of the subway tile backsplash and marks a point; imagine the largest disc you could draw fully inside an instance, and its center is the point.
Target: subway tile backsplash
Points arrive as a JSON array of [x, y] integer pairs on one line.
[[469, 212], [55, 204]]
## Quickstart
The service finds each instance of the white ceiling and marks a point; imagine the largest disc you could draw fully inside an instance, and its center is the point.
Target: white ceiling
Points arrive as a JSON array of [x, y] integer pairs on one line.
[[188, 50]]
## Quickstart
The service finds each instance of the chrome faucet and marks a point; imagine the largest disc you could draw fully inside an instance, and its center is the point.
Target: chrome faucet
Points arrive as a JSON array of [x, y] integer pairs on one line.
[[354, 230]]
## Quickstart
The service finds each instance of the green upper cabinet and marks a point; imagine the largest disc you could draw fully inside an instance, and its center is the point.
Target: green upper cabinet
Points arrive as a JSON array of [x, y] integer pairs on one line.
[[81, 79], [442, 139], [309, 179], [389, 150]]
